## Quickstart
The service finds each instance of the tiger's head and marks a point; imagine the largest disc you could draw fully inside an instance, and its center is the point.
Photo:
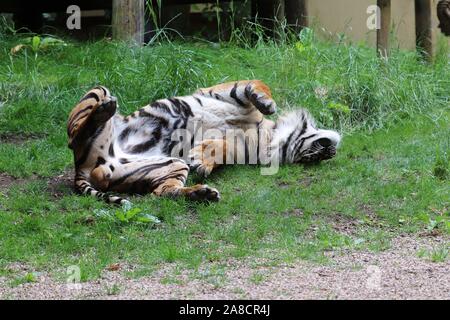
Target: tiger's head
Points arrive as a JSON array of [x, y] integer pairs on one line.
[[299, 141], [95, 107]]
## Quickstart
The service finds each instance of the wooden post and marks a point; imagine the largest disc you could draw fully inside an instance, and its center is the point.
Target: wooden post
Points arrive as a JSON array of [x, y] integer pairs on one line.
[[296, 14], [424, 28], [385, 25], [128, 20]]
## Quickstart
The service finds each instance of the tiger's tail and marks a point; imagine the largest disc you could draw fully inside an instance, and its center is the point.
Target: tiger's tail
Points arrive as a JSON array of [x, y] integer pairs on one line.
[[83, 186]]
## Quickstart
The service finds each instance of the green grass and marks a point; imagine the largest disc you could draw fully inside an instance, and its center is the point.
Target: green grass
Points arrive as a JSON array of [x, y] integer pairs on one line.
[[390, 175], [438, 254]]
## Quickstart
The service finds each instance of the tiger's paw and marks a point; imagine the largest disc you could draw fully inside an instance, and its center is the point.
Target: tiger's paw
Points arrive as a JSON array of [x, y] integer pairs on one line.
[[203, 170], [203, 192], [263, 103], [106, 109], [203, 157], [260, 96]]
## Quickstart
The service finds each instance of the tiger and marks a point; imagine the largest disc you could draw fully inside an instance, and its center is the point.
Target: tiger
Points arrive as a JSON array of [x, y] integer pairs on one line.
[[443, 14], [141, 153]]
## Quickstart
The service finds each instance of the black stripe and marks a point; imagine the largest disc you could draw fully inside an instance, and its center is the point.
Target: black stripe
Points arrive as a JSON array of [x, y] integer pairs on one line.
[[248, 91], [111, 150], [146, 168], [117, 201], [125, 133], [187, 111], [87, 148], [90, 95], [199, 101], [299, 143], [161, 105], [142, 147], [100, 161], [82, 111], [103, 89], [177, 123], [161, 121], [176, 105], [233, 94], [302, 140], [285, 146]]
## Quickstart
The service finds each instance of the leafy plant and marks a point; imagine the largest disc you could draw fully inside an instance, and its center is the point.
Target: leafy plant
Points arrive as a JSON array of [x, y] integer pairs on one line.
[[27, 278], [38, 44], [438, 254], [128, 215], [441, 168], [339, 107]]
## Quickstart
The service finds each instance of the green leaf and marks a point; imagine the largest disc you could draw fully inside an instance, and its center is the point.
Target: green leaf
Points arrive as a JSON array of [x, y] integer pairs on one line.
[[131, 213], [35, 43], [121, 216], [51, 42], [148, 218], [339, 107]]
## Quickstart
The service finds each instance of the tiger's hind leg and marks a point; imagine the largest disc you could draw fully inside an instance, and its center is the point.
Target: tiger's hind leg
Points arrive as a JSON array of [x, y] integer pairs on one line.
[[245, 93], [161, 176]]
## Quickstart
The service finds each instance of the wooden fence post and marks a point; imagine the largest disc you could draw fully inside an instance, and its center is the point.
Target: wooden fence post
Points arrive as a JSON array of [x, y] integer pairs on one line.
[[296, 14], [424, 28], [128, 20], [385, 25]]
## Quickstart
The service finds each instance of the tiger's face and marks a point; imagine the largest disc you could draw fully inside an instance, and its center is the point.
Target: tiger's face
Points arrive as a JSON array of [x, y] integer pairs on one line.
[[299, 141]]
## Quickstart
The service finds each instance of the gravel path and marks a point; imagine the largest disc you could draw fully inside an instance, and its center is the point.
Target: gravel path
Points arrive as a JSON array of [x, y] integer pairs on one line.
[[397, 273]]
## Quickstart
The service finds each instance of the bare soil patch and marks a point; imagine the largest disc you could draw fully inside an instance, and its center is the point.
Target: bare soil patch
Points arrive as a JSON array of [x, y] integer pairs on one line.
[[6, 181], [19, 138], [57, 186], [397, 273], [62, 184]]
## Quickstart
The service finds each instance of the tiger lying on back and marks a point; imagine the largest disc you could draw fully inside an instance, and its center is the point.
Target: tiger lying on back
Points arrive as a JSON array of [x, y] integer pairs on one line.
[[135, 153]]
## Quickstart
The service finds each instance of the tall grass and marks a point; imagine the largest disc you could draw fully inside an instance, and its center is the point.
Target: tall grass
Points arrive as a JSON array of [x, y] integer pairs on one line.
[[344, 86]]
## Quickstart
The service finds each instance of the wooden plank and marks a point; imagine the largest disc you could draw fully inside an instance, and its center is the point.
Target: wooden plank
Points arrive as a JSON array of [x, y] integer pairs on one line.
[[424, 27], [296, 14], [52, 6], [385, 26], [61, 5], [128, 20]]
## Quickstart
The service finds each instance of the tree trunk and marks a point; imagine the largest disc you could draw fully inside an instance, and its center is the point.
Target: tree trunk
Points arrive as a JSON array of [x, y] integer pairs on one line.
[[128, 20], [385, 25], [424, 32]]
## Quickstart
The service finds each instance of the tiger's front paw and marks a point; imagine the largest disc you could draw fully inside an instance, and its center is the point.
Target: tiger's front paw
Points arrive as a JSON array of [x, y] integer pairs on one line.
[[203, 192], [260, 96], [263, 103]]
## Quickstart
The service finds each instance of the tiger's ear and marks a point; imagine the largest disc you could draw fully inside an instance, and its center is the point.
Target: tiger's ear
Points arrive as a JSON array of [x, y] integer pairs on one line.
[[82, 112]]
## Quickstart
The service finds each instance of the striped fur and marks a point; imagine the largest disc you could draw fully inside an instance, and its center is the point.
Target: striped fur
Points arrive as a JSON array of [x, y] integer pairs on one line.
[[141, 153], [443, 13]]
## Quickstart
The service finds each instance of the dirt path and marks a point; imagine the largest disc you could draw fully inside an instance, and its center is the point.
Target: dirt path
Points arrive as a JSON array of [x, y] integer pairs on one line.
[[397, 273]]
